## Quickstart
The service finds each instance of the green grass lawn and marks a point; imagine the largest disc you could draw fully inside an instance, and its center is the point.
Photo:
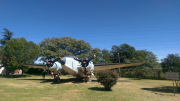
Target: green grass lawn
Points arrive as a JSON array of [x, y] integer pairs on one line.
[[34, 88]]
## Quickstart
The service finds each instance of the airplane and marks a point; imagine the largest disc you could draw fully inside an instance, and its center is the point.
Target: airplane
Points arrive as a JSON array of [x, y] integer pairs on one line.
[[76, 67]]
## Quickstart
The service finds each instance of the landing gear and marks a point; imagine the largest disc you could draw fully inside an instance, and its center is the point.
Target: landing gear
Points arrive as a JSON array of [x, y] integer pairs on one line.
[[56, 78], [88, 78]]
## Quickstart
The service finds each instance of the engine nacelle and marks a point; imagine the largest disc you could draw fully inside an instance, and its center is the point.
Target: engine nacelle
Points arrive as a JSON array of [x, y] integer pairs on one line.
[[56, 67], [91, 65]]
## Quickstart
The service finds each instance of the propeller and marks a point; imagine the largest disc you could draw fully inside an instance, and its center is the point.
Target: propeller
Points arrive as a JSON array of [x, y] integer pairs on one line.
[[50, 63], [43, 59], [85, 63]]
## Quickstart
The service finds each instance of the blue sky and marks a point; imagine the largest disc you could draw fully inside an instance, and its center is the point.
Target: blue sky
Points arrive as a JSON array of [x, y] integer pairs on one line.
[[153, 25]]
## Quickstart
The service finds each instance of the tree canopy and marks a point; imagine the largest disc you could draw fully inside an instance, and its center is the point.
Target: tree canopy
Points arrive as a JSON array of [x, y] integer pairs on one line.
[[18, 51], [7, 36], [149, 58], [106, 56], [97, 52], [126, 52], [65, 46], [171, 62]]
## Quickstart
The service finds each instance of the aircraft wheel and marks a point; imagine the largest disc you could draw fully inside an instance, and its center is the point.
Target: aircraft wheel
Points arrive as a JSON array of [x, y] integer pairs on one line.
[[88, 79], [57, 79]]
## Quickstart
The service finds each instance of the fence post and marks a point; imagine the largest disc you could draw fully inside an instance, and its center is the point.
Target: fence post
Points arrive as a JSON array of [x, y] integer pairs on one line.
[[159, 75]]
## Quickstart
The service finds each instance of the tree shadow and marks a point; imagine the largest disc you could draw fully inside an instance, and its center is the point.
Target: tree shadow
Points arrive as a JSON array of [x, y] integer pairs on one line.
[[99, 89], [14, 76], [164, 89]]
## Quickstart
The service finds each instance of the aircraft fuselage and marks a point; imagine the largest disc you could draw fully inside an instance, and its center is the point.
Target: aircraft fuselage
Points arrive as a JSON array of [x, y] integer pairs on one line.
[[72, 67]]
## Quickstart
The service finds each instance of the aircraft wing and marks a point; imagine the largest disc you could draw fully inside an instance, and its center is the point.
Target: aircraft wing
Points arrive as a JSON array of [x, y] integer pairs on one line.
[[43, 66], [98, 67]]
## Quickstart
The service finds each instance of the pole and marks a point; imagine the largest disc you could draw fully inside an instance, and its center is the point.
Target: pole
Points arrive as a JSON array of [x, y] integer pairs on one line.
[[174, 87], [119, 67]]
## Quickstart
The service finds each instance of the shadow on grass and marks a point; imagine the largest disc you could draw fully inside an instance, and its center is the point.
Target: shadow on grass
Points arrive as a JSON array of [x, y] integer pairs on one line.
[[14, 76], [69, 80], [94, 80], [117, 81], [99, 89], [164, 89]]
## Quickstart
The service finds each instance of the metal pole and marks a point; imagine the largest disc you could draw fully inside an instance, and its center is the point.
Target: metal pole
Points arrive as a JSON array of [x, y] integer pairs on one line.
[[174, 87], [119, 67], [119, 57]]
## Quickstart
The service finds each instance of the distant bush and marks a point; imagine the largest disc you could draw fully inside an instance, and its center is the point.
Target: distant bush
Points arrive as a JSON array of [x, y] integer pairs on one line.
[[140, 73], [36, 71], [144, 73], [107, 78]]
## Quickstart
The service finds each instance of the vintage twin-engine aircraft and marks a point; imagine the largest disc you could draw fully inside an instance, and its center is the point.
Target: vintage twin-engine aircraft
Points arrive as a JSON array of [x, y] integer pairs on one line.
[[79, 68]]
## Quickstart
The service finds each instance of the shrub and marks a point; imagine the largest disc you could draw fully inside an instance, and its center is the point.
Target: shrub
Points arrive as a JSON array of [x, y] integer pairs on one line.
[[139, 73], [144, 73], [107, 78], [36, 71]]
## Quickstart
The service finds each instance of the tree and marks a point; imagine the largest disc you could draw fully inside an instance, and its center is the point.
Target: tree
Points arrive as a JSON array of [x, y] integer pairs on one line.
[[18, 51], [149, 58], [97, 52], [106, 56], [65, 46], [126, 52], [7, 36], [102, 56], [1, 50], [171, 62]]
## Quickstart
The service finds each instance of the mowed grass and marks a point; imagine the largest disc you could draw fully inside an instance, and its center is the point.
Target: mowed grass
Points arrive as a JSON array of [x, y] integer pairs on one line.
[[34, 88]]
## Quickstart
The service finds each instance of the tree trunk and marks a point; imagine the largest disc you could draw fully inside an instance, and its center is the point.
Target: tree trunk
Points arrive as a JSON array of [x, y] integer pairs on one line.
[[159, 75]]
